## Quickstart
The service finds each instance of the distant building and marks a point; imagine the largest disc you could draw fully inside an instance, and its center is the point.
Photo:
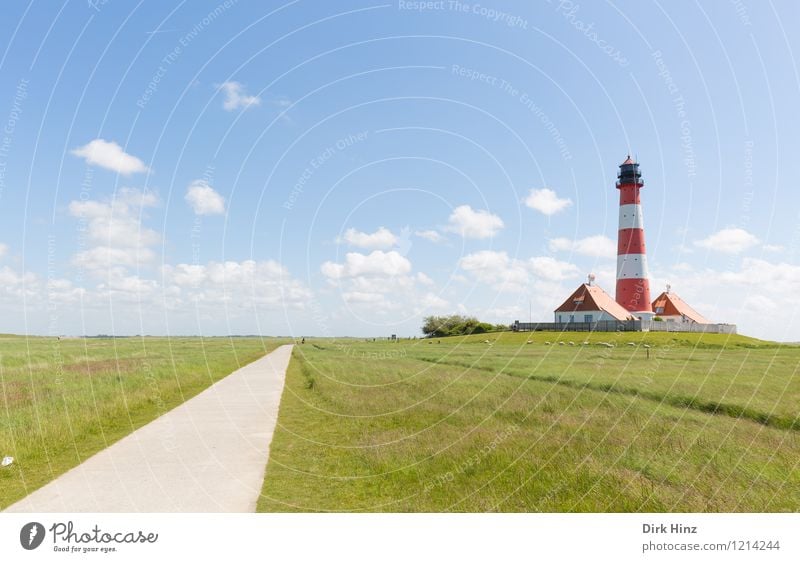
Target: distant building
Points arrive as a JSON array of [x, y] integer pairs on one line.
[[590, 303], [671, 308], [590, 308]]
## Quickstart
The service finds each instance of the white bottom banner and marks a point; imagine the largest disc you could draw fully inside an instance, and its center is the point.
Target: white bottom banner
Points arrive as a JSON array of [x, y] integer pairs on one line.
[[390, 537]]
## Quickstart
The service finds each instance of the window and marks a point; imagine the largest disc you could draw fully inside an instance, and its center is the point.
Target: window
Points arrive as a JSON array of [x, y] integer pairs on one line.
[[659, 310], [587, 317]]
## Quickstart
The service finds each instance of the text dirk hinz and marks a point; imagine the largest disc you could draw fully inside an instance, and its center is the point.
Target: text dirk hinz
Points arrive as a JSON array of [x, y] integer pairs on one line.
[[673, 528]]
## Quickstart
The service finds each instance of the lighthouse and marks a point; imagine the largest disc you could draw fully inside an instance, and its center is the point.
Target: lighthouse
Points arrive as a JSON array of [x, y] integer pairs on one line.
[[633, 286], [589, 308]]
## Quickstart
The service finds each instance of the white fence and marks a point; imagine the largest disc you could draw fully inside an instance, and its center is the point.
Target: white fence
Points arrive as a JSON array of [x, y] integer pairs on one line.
[[688, 327], [624, 326]]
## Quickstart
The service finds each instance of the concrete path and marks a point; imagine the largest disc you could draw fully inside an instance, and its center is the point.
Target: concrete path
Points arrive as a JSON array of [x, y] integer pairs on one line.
[[206, 455]]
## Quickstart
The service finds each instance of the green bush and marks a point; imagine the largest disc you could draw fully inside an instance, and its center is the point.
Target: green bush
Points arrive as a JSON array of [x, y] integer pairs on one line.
[[456, 325]]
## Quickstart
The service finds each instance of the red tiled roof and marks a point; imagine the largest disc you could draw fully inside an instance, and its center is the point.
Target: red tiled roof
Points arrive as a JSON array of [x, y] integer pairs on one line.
[[628, 160], [590, 298], [672, 305]]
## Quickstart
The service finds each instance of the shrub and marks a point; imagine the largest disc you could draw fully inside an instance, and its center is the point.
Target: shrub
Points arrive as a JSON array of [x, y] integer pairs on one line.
[[456, 325]]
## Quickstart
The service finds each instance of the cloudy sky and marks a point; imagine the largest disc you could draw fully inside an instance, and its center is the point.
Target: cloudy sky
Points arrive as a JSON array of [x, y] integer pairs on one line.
[[345, 168]]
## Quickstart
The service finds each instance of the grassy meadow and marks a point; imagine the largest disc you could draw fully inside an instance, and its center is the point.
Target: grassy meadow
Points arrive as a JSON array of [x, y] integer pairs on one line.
[[61, 401], [706, 423]]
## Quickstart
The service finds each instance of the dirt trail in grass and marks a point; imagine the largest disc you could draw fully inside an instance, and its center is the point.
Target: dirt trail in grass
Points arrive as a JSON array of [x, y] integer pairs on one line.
[[206, 455], [679, 401]]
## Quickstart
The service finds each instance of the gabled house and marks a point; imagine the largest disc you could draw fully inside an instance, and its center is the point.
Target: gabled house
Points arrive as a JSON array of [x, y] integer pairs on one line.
[[590, 303], [671, 308]]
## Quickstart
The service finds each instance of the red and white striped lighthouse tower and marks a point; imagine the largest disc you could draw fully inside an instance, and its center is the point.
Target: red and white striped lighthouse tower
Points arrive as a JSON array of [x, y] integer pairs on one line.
[[633, 287]]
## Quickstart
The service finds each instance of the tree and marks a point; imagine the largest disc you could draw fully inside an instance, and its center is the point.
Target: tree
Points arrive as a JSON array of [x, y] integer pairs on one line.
[[440, 326], [455, 325]]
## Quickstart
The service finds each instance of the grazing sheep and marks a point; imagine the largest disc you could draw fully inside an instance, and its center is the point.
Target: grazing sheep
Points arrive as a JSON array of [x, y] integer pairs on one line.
[[647, 346], [630, 343], [561, 343], [572, 343], [547, 343], [586, 343], [606, 344], [529, 341]]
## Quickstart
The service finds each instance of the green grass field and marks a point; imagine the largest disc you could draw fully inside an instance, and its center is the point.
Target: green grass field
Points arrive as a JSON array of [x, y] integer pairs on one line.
[[707, 423], [63, 400]]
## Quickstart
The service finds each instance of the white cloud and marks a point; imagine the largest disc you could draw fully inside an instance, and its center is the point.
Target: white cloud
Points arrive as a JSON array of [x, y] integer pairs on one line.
[[14, 284], [404, 242], [503, 314], [546, 201], [485, 261], [430, 235], [759, 303], [237, 284], [780, 278], [109, 155], [496, 269], [114, 247], [729, 241], [749, 296], [772, 248], [3, 250], [431, 301], [474, 224], [502, 272], [598, 246], [115, 231], [381, 239], [553, 270], [120, 285], [203, 199], [382, 283], [236, 96], [105, 258], [376, 264], [360, 297]]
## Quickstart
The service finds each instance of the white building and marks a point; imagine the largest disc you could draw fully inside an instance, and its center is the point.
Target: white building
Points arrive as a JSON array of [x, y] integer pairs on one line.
[[590, 303], [671, 308]]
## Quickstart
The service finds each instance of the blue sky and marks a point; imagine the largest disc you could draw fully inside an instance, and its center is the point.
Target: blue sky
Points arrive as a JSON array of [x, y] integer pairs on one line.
[[344, 168]]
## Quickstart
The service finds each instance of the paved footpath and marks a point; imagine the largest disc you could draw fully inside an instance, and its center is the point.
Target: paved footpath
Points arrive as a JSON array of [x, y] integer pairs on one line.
[[206, 455]]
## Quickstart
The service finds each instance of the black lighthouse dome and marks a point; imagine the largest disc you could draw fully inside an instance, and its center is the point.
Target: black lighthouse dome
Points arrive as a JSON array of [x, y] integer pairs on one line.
[[629, 173]]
